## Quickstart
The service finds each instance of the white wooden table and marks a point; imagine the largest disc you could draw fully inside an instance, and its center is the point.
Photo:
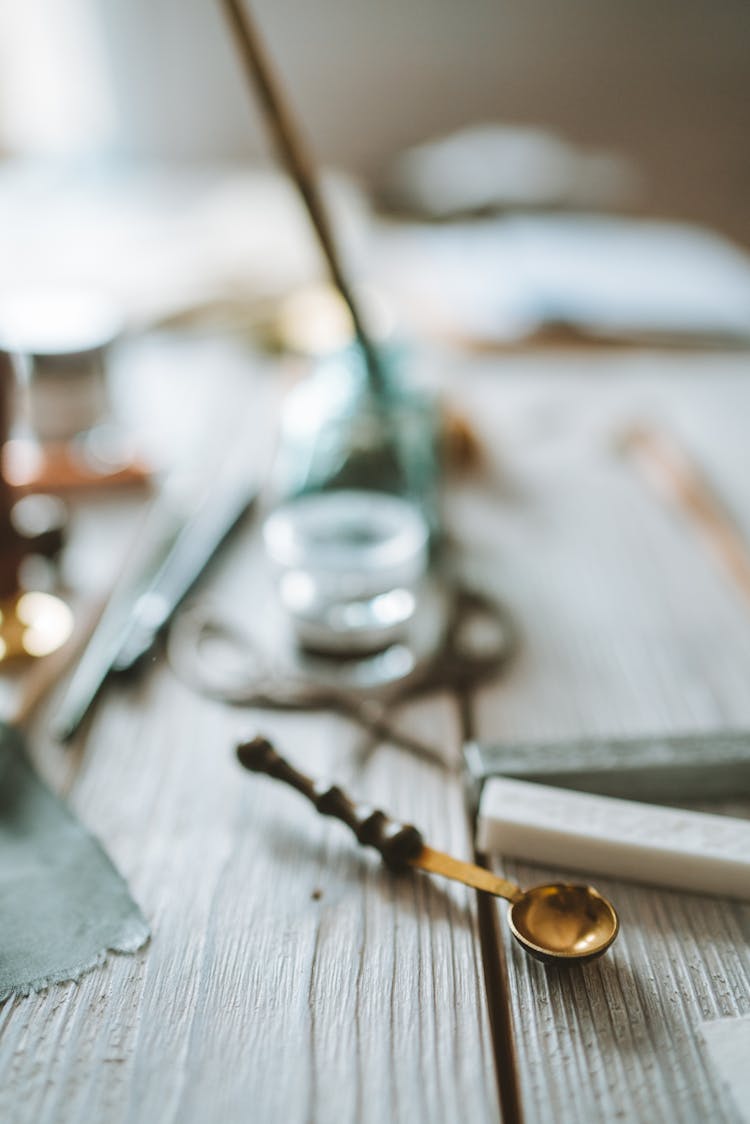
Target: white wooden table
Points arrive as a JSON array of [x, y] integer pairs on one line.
[[290, 977]]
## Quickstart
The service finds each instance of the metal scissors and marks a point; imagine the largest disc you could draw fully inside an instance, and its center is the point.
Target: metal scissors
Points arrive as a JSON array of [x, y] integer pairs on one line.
[[214, 656]]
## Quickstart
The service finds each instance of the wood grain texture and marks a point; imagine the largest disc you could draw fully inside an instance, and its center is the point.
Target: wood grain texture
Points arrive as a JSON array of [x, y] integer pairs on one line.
[[290, 976], [629, 627]]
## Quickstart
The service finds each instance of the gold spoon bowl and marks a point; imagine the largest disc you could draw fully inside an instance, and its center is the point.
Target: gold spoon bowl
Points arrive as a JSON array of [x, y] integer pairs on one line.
[[562, 921], [555, 922]]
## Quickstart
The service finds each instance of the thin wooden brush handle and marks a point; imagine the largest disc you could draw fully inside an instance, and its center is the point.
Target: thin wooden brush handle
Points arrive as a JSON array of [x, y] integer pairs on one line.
[[297, 160], [398, 843]]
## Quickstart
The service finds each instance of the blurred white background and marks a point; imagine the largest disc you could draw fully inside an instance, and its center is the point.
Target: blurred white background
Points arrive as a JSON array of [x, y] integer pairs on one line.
[[666, 81]]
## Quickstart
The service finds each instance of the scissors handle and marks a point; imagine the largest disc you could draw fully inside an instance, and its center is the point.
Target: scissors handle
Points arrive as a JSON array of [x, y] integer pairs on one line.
[[396, 842], [480, 638]]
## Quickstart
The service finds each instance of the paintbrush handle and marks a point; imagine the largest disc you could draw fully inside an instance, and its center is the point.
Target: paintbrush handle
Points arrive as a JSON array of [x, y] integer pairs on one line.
[[295, 157], [398, 843]]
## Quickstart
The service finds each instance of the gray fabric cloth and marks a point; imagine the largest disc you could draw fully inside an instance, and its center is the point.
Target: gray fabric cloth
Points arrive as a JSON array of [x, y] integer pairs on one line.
[[63, 905]]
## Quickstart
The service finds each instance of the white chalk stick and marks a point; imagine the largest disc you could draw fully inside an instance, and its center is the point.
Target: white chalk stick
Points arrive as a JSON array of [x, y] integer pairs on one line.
[[603, 835]]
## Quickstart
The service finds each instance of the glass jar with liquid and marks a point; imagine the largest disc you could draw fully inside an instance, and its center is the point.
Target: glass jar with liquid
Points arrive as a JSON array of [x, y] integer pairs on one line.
[[357, 504]]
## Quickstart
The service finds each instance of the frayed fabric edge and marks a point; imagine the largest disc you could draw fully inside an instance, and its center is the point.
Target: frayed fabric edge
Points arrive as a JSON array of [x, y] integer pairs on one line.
[[137, 934]]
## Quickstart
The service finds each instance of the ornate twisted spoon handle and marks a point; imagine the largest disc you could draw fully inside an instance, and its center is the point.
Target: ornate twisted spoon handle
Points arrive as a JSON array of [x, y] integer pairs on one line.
[[398, 843]]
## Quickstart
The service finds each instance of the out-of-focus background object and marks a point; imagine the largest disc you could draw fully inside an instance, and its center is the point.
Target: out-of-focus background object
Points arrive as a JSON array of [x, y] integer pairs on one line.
[[33, 623], [623, 110], [497, 167], [59, 340], [665, 83], [604, 278]]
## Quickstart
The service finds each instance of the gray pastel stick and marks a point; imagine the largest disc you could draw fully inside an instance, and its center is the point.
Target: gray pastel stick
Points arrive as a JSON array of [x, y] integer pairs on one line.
[[706, 766]]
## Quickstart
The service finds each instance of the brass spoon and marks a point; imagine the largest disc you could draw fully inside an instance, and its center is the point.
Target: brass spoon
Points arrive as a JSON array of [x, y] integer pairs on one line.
[[554, 922]]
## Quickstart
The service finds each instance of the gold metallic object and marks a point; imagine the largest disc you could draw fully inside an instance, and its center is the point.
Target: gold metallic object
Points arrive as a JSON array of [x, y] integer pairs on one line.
[[32, 625], [558, 921], [554, 922]]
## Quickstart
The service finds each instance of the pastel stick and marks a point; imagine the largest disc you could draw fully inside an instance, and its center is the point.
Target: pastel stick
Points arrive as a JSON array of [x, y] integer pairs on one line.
[[602, 835], [706, 766]]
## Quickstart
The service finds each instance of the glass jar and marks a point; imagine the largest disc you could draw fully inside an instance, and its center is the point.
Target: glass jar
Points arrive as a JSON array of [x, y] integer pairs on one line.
[[356, 482]]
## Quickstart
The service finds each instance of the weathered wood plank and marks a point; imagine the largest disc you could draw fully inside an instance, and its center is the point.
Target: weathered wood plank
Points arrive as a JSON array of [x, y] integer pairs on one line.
[[290, 976], [630, 626]]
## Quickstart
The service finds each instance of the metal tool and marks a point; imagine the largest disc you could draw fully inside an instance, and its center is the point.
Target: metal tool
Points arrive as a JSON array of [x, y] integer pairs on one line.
[[180, 546], [478, 639], [194, 547], [554, 922], [99, 655]]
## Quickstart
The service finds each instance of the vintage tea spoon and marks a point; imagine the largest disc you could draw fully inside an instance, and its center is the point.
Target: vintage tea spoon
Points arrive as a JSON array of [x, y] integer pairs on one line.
[[555, 922]]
